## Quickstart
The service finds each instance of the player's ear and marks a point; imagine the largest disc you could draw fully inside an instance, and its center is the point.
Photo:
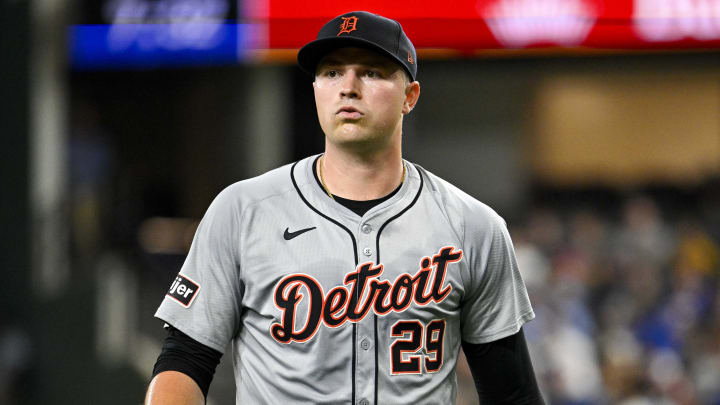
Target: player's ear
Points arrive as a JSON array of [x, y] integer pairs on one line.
[[412, 94]]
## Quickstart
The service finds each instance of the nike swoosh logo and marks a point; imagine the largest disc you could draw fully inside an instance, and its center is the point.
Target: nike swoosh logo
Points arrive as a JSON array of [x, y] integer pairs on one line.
[[289, 235]]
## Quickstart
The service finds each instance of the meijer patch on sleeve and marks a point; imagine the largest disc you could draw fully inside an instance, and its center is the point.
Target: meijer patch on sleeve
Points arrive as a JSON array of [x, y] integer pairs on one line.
[[183, 290]]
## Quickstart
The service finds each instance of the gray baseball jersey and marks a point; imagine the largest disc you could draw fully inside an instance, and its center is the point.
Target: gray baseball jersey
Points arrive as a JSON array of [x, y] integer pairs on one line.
[[325, 307]]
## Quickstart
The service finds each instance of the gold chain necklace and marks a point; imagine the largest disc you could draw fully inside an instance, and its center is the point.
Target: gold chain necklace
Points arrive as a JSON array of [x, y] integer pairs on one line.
[[322, 180]]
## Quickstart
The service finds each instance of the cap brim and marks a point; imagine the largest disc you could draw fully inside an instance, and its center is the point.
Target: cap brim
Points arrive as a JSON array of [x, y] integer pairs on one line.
[[312, 53]]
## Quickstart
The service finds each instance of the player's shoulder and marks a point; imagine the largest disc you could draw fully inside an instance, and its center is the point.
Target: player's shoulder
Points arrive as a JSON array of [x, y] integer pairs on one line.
[[458, 205], [249, 191]]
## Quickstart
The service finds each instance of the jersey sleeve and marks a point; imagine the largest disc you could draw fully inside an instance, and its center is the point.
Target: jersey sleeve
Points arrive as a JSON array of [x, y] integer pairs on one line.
[[204, 300], [496, 302]]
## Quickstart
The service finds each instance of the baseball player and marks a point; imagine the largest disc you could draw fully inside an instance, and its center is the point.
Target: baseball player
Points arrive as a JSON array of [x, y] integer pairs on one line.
[[353, 276]]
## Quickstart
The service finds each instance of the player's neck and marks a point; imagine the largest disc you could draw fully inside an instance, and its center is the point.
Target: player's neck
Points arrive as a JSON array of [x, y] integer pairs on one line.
[[361, 178]]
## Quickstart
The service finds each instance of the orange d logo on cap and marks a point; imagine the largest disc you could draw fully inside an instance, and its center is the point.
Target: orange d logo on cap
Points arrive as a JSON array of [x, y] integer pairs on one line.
[[348, 24], [377, 33]]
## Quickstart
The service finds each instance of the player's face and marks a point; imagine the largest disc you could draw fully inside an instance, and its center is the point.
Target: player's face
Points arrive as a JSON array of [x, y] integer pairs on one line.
[[361, 97]]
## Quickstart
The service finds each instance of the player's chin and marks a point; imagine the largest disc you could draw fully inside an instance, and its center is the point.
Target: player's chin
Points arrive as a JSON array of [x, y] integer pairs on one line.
[[359, 141], [351, 129], [354, 130], [359, 121]]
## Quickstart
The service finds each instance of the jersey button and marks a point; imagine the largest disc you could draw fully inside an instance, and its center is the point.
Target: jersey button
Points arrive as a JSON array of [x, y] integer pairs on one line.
[[367, 251], [364, 344], [364, 402], [366, 228]]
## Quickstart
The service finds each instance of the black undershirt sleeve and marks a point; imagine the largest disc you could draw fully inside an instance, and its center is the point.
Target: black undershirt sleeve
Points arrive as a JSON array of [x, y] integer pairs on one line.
[[503, 372], [182, 353]]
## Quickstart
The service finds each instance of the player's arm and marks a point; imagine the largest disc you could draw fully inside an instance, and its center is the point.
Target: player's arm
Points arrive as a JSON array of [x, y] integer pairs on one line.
[[503, 372], [204, 301], [173, 388], [183, 371]]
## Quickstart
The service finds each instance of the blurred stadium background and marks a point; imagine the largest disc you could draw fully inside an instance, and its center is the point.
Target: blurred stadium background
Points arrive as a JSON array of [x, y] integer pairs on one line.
[[592, 126]]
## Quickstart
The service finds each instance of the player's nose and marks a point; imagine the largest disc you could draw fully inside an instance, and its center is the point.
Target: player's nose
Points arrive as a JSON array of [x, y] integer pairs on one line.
[[351, 85]]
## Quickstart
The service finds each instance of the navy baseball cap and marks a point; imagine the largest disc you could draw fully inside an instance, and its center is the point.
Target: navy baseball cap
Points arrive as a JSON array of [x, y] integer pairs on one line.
[[363, 30]]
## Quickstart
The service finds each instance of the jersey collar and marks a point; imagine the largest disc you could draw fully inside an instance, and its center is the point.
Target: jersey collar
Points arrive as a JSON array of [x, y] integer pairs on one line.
[[304, 178]]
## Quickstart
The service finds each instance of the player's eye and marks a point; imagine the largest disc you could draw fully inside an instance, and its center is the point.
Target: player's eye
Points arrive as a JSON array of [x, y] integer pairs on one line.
[[373, 74], [331, 73]]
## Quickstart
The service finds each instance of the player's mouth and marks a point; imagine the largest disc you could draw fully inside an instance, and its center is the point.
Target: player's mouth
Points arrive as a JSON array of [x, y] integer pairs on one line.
[[348, 112]]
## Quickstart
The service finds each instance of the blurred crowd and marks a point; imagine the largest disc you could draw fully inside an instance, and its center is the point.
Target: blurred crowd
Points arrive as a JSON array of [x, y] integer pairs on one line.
[[626, 303]]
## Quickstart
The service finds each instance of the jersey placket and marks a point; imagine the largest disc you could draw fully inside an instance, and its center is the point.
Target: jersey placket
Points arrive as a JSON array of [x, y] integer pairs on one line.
[[366, 234]]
